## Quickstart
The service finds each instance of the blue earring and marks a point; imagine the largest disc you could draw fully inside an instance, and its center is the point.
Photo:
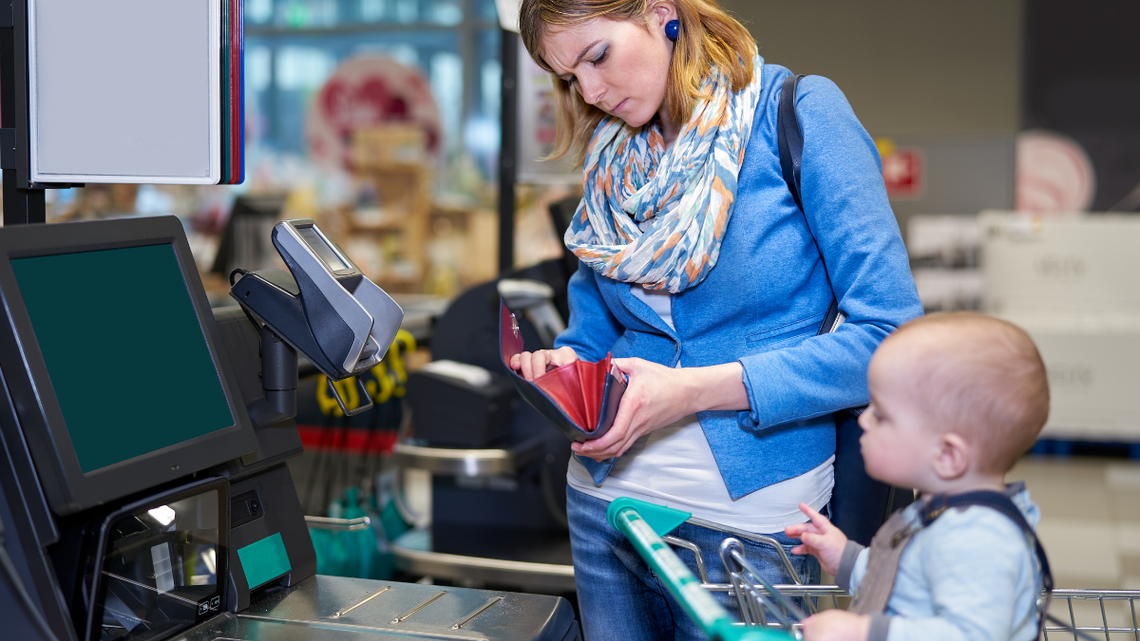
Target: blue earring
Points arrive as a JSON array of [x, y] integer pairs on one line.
[[671, 29]]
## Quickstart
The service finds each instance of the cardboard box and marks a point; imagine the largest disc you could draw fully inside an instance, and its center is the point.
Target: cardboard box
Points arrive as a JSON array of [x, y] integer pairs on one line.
[[947, 290], [1076, 265], [1093, 375], [949, 241]]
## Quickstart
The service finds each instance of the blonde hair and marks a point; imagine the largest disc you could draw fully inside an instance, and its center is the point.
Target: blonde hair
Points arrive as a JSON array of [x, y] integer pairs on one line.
[[982, 378], [708, 36]]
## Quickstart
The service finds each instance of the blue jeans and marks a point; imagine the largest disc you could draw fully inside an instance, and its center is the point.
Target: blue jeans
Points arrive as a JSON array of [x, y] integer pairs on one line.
[[619, 597]]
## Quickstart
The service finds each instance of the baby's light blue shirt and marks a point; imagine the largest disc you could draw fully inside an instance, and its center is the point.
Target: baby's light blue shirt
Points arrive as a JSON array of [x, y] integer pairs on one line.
[[971, 575]]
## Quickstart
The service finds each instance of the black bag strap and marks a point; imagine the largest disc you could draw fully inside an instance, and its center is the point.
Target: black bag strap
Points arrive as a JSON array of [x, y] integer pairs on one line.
[[791, 139], [791, 143], [1000, 502]]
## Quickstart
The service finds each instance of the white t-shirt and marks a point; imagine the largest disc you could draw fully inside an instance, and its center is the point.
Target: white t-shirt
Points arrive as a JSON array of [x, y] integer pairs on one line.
[[674, 466]]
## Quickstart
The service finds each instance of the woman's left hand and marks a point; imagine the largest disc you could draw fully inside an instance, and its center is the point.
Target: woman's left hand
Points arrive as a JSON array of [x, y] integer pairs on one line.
[[655, 397]]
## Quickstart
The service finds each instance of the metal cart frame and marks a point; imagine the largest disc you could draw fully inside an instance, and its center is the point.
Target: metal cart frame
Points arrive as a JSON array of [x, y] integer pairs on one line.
[[768, 612]]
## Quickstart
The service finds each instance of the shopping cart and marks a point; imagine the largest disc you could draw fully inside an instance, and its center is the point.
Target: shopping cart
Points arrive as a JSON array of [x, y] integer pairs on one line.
[[1105, 615], [774, 612]]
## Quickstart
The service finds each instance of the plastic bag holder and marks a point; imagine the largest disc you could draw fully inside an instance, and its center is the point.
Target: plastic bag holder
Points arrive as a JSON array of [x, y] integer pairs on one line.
[[363, 392]]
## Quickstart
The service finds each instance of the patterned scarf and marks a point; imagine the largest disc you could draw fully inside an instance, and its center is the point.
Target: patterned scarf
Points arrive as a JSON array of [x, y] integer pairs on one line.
[[685, 192]]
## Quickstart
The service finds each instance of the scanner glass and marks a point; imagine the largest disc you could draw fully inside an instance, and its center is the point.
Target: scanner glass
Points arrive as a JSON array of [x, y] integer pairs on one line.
[[321, 247], [160, 569]]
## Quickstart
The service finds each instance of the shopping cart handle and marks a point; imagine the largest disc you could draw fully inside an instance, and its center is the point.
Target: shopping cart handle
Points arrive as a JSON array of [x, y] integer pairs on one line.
[[661, 519], [626, 516]]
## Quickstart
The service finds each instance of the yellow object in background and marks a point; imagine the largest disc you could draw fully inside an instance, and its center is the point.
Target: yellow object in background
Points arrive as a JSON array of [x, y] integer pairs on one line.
[[886, 146], [403, 344], [384, 381], [380, 389]]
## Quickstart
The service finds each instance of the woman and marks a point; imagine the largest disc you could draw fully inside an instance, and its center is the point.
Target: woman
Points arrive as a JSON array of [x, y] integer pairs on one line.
[[708, 284]]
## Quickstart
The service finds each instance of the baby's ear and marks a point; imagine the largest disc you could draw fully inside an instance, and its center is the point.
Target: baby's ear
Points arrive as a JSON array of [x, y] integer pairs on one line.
[[953, 459]]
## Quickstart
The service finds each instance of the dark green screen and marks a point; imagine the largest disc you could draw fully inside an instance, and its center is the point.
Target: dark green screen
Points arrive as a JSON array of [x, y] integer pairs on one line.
[[126, 355]]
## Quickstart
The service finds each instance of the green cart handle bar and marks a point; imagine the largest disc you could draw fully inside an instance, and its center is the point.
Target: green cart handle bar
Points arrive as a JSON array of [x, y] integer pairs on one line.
[[625, 515]]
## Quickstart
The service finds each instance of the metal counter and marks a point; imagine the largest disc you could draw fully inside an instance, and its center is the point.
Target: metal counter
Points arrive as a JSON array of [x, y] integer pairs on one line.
[[328, 608]]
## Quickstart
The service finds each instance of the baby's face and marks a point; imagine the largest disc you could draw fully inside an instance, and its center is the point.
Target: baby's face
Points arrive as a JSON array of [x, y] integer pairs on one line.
[[899, 442]]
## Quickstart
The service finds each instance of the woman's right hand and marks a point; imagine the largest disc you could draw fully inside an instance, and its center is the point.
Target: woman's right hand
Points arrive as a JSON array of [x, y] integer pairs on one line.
[[531, 365]]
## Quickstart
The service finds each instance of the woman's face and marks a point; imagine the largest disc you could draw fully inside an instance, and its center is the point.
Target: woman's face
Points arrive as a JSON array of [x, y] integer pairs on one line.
[[620, 67]]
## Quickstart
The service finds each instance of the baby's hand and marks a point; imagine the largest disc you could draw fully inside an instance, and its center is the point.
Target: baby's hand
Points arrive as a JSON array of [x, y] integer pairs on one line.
[[837, 625], [819, 538]]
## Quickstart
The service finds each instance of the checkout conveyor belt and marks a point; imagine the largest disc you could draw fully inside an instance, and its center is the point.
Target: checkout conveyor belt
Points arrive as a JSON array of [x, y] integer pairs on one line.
[[347, 609]]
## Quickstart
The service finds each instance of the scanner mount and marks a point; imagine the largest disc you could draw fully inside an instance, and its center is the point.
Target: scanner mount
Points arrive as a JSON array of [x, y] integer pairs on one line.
[[323, 307]]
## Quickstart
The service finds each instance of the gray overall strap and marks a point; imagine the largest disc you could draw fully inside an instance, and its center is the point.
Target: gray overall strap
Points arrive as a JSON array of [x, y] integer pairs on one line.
[[882, 565]]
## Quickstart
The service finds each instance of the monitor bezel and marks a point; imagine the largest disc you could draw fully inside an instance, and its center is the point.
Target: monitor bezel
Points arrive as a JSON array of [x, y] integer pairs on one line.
[[67, 489]]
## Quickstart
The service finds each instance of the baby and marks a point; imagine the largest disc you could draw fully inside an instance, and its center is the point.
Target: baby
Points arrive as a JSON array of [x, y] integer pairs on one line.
[[955, 400]]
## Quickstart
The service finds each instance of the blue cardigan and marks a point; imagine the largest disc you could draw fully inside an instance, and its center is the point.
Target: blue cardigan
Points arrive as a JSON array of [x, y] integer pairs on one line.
[[764, 301]]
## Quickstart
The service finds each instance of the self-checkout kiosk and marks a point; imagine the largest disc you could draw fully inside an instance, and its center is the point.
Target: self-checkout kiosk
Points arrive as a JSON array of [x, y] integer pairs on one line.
[[144, 437], [145, 491]]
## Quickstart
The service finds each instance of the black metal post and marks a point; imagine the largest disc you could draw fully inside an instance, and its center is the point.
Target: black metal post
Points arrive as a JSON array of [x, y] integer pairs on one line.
[[278, 373], [508, 167], [21, 205]]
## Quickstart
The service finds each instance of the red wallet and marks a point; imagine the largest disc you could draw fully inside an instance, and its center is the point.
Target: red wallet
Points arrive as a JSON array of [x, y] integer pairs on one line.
[[579, 398]]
